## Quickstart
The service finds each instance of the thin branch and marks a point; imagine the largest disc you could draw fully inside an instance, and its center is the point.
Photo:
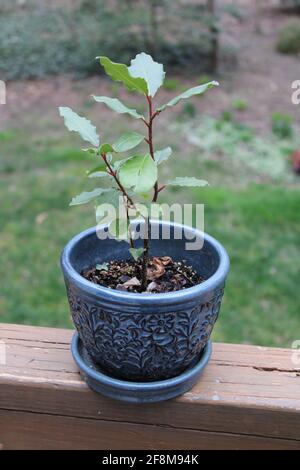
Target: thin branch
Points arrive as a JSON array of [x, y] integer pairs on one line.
[[114, 175], [161, 188], [126, 197], [128, 223], [150, 139]]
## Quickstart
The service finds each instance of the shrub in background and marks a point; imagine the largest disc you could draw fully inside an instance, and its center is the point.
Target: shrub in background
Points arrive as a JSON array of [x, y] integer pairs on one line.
[[239, 104], [290, 5], [267, 157], [282, 125], [38, 40], [289, 39]]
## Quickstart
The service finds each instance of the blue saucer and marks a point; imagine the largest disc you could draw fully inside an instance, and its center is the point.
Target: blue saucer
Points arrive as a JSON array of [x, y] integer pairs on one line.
[[136, 392]]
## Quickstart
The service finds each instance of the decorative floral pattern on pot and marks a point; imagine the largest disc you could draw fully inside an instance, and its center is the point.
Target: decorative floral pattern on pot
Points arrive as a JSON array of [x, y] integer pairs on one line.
[[144, 347]]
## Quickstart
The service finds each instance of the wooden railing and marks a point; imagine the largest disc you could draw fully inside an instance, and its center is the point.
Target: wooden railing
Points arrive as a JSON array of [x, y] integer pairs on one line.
[[247, 398]]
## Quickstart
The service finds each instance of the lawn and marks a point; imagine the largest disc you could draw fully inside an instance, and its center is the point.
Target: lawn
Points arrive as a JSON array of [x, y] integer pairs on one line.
[[256, 220]]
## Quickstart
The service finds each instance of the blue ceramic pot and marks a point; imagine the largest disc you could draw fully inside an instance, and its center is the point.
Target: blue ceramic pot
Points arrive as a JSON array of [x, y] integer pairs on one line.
[[145, 337]]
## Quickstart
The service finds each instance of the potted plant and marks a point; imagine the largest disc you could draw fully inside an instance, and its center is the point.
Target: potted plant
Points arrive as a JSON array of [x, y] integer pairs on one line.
[[143, 305]]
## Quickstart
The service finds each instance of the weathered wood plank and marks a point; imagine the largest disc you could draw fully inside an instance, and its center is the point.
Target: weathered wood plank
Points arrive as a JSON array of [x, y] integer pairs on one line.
[[35, 431], [248, 396]]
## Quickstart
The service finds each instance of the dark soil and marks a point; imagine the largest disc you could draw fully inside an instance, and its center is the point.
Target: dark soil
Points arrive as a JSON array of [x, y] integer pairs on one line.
[[163, 275]]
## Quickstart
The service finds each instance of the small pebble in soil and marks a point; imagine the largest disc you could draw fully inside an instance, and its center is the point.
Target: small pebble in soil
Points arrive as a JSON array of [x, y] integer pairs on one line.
[[163, 275]]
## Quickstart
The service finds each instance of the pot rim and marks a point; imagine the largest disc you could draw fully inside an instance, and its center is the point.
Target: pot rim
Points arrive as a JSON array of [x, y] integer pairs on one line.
[[184, 295]]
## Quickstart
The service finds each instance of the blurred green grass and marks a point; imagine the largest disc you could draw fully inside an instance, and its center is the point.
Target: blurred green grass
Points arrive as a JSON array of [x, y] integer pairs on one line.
[[257, 223]]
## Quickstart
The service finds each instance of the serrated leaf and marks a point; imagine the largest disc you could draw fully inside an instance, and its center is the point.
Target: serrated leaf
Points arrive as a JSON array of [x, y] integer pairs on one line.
[[79, 124], [143, 66], [127, 142], [86, 197], [197, 90], [136, 253], [117, 106], [187, 181], [105, 148], [162, 155], [138, 173], [120, 73]]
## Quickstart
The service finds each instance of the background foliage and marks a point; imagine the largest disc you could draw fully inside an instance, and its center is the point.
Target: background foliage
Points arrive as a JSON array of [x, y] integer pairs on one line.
[[37, 40]]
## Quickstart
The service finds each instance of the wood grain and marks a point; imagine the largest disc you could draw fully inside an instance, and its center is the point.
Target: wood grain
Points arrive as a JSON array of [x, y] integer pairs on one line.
[[248, 398]]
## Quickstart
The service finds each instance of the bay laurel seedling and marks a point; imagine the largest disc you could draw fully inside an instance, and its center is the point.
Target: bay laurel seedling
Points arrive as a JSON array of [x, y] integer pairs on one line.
[[134, 178]]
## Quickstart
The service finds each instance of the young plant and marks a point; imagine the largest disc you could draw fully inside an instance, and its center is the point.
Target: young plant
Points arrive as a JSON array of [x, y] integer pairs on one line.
[[134, 178]]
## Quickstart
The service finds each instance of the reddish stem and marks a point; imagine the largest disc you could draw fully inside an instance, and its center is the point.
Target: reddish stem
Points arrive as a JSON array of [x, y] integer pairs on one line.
[[127, 198], [114, 175], [149, 141], [161, 188]]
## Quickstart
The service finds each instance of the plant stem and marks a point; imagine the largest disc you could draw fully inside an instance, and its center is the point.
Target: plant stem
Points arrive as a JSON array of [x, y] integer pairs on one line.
[[145, 255], [149, 141], [114, 175], [128, 222], [126, 197]]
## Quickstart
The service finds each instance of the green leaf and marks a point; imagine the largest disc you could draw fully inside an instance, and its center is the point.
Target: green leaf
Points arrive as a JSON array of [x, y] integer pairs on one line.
[[102, 267], [136, 253], [98, 168], [98, 174], [139, 173], [117, 106], [143, 66], [162, 155], [105, 148], [117, 164], [127, 141], [120, 73], [197, 90], [86, 197], [109, 157], [81, 125], [187, 181], [91, 150]]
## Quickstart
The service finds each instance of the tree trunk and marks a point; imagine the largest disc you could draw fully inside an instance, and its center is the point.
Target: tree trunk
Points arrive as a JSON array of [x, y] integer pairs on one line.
[[153, 26], [214, 57]]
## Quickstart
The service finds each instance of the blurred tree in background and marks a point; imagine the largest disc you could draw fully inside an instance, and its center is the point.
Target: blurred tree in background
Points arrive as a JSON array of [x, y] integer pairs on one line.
[[290, 4], [41, 38]]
